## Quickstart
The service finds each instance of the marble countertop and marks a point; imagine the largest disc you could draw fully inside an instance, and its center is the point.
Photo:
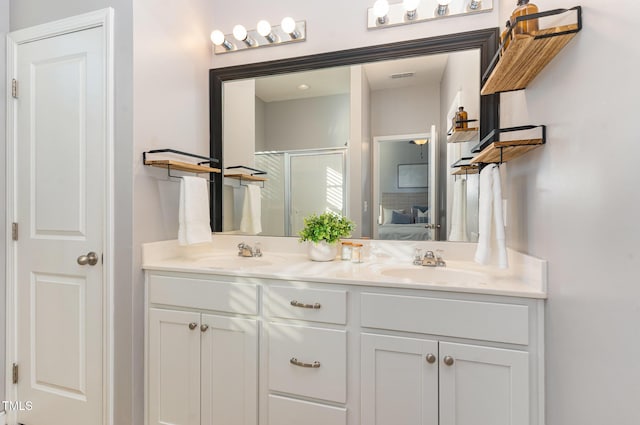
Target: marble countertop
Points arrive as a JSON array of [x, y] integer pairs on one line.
[[525, 278]]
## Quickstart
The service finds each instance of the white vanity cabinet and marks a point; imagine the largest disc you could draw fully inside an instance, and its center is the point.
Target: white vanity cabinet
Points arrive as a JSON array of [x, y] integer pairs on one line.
[[202, 353], [417, 380], [234, 350]]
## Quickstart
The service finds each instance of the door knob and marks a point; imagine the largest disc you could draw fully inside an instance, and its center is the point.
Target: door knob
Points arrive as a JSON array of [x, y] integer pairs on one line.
[[203, 328], [90, 259], [431, 358], [448, 360]]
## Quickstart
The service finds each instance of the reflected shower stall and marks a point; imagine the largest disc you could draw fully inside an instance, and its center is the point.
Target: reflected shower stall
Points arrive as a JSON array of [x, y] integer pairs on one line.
[[301, 183]]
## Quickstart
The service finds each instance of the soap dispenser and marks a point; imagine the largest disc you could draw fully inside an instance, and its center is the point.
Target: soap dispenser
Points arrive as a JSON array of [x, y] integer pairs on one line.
[[528, 26]]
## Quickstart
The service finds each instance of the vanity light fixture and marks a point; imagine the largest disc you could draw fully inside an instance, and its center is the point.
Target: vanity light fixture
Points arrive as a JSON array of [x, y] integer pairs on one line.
[[384, 15], [288, 31]]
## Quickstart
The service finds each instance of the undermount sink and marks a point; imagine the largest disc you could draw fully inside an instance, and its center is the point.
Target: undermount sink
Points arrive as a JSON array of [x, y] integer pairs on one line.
[[229, 261], [440, 275]]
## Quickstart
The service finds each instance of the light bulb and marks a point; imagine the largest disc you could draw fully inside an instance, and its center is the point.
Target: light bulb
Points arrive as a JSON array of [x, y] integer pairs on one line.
[[263, 28], [410, 5], [380, 10], [288, 25], [240, 33], [217, 37]]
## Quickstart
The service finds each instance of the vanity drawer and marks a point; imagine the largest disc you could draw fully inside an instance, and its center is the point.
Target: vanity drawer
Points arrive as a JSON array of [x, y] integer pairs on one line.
[[314, 305], [485, 321], [203, 294], [305, 346], [287, 411]]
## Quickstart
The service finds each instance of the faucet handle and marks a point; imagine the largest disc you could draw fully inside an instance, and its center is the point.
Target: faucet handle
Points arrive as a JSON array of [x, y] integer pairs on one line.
[[439, 254]]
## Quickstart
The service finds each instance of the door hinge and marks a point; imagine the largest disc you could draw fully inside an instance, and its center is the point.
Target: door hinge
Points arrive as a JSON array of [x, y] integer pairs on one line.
[[15, 373], [14, 88], [14, 231]]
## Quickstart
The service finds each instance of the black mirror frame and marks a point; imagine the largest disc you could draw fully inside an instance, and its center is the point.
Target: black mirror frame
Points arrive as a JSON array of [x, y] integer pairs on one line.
[[486, 40]]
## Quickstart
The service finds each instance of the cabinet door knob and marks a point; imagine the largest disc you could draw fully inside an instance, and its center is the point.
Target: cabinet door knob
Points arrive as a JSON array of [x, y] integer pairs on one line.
[[203, 328], [448, 360], [431, 358], [193, 325]]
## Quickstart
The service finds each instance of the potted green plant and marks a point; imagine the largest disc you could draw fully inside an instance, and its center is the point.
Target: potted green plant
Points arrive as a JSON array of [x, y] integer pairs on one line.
[[322, 232]]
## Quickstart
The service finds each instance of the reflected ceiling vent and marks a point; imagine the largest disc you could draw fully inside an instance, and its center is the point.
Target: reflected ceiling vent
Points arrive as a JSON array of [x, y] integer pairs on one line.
[[403, 75]]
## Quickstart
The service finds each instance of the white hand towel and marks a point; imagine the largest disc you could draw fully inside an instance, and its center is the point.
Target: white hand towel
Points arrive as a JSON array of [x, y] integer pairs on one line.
[[459, 212], [251, 222], [193, 213], [491, 208]]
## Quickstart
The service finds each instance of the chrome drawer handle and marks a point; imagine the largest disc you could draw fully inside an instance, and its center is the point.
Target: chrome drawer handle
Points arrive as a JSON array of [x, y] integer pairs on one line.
[[296, 362], [303, 305]]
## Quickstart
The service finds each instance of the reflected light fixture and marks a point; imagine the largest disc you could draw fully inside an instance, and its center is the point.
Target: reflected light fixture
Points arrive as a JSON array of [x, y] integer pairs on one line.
[[411, 7], [265, 34], [380, 11], [384, 14], [443, 7], [421, 143]]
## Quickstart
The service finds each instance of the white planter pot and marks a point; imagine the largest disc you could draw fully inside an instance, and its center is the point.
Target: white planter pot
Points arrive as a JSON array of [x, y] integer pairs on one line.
[[322, 251]]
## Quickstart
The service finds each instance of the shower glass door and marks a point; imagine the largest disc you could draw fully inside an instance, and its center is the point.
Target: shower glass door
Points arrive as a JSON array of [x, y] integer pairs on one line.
[[316, 185]]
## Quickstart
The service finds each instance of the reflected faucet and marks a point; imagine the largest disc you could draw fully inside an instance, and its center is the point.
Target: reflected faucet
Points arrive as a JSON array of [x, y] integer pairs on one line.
[[245, 250]]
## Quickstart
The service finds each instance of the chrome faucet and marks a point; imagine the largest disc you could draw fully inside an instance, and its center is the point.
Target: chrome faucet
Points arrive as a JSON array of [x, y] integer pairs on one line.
[[433, 260], [245, 250]]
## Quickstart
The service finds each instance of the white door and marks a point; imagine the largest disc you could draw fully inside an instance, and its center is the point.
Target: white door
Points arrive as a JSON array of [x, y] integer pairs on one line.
[[174, 367], [229, 374], [59, 195], [399, 380], [483, 385]]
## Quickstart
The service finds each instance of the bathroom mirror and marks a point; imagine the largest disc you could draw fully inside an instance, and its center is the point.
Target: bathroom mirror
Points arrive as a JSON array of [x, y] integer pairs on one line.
[[372, 141]]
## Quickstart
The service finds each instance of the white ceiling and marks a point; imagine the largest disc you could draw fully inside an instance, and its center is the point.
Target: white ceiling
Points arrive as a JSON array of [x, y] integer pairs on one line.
[[332, 81]]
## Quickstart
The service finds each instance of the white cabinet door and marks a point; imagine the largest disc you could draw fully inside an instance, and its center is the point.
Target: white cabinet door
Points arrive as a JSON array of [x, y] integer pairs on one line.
[[174, 367], [399, 380], [229, 370], [483, 385]]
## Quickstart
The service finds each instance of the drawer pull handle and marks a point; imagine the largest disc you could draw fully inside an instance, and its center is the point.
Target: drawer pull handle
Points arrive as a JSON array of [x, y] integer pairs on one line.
[[448, 360], [193, 325], [303, 305], [296, 362]]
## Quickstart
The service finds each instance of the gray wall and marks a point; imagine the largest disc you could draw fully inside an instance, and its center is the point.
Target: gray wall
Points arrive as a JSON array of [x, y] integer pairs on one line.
[[318, 122], [4, 28], [393, 154], [406, 110], [575, 202]]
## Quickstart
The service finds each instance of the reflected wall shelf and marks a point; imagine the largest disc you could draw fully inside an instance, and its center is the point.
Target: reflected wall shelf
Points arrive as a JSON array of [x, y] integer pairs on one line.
[[528, 54], [254, 176], [460, 135], [466, 170], [497, 151]]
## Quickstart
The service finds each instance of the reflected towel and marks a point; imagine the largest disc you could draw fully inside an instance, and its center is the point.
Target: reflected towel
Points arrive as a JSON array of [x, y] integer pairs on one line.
[[251, 222], [459, 212], [491, 208], [193, 215]]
